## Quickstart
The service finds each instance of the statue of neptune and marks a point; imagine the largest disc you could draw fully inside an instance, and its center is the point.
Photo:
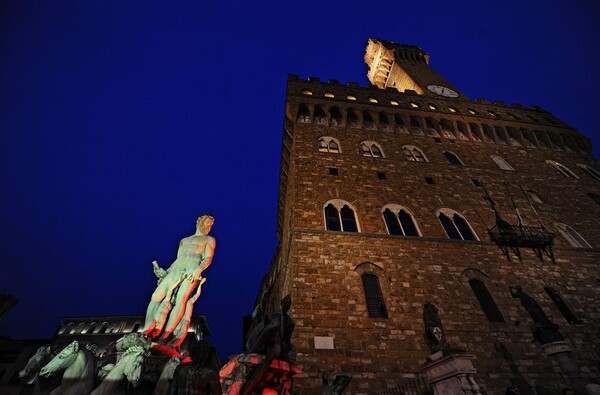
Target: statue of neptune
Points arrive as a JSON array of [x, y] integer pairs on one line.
[[169, 308]]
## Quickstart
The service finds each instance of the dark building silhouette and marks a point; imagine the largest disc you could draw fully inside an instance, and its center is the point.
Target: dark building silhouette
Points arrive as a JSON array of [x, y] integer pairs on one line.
[[407, 192]]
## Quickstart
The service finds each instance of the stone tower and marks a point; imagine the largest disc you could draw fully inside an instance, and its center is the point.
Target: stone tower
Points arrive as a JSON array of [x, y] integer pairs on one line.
[[407, 192]]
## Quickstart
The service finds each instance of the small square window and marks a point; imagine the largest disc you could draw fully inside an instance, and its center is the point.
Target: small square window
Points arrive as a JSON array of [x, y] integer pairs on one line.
[[333, 171], [381, 175], [429, 180], [476, 182], [437, 140]]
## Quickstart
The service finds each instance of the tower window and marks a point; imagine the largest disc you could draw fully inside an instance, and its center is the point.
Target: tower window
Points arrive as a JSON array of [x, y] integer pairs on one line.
[[399, 221], [333, 171], [371, 148], [562, 306], [329, 94], [572, 236], [413, 154], [352, 119], [476, 182], [452, 158], [328, 144], [320, 117], [486, 301], [381, 175], [502, 164], [595, 174], [368, 120], [340, 216], [561, 169], [336, 116], [595, 197], [350, 97], [307, 92], [373, 296], [393, 102], [414, 105], [452, 109], [373, 100], [429, 180], [303, 114], [456, 226]]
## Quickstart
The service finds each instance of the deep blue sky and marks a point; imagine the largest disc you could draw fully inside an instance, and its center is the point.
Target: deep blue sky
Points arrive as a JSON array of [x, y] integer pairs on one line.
[[122, 121]]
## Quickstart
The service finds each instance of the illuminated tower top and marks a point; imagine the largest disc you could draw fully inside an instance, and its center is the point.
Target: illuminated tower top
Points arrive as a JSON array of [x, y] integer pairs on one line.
[[405, 67]]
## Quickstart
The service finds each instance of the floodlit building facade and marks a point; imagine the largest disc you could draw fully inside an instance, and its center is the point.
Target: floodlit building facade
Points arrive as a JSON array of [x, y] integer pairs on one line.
[[407, 192]]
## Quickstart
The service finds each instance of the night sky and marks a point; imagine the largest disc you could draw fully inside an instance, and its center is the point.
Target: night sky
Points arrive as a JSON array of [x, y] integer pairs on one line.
[[122, 121]]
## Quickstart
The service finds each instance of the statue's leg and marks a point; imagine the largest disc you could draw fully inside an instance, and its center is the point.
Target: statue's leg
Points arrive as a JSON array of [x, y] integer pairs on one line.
[[155, 301], [181, 299]]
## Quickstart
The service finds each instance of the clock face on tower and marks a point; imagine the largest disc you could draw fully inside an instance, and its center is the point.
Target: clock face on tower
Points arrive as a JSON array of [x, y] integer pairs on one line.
[[442, 91]]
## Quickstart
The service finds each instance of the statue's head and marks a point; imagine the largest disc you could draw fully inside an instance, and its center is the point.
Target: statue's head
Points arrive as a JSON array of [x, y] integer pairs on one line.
[[205, 223], [286, 303]]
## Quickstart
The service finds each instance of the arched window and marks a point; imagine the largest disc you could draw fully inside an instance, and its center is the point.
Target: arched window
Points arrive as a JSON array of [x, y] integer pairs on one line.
[[373, 296], [384, 124], [80, 328], [572, 236], [340, 216], [486, 301], [368, 120], [90, 328], [561, 169], [562, 306], [452, 158], [415, 126], [352, 119], [595, 174], [103, 327], [371, 148], [320, 116], [400, 126], [329, 144], [336, 116], [399, 221], [413, 154], [303, 114], [502, 163], [455, 225]]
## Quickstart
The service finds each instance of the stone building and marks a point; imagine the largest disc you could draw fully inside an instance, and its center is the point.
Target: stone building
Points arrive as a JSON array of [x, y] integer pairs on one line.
[[406, 192]]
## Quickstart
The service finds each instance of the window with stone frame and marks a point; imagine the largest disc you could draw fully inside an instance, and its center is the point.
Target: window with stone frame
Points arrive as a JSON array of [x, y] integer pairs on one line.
[[564, 309], [455, 225], [452, 158], [340, 216], [336, 117], [328, 144], [320, 116], [413, 154], [303, 114], [595, 174], [595, 197], [374, 296], [489, 307], [501, 163], [371, 148], [571, 235], [561, 169], [399, 221]]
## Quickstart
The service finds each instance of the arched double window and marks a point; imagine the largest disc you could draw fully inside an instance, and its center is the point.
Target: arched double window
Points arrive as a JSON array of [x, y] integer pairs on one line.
[[399, 221], [413, 154], [595, 174], [371, 148], [340, 216], [561, 169], [452, 158], [572, 236], [502, 164], [455, 225], [489, 307], [329, 144]]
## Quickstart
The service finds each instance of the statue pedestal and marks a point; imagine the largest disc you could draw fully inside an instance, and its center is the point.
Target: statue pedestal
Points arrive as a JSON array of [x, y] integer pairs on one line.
[[451, 374], [278, 377]]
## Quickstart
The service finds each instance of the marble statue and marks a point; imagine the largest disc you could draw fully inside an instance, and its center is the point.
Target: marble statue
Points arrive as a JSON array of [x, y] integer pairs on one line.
[[78, 365], [163, 386], [129, 368], [168, 310], [42, 356]]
